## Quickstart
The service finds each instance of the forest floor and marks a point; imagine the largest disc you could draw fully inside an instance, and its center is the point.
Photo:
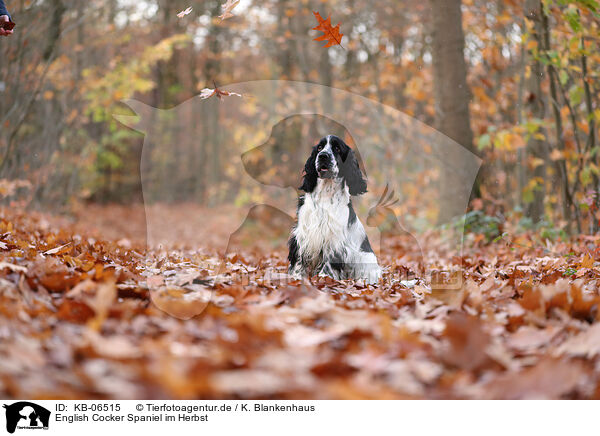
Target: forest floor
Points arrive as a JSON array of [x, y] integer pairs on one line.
[[88, 311]]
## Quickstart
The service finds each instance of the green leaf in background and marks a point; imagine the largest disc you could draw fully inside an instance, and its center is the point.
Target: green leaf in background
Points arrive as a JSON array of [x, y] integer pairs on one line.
[[576, 94], [484, 141], [564, 77], [592, 5], [572, 16], [586, 176]]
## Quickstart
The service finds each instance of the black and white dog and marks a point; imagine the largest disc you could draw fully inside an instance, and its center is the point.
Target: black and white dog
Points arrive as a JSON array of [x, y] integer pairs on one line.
[[328, 239]]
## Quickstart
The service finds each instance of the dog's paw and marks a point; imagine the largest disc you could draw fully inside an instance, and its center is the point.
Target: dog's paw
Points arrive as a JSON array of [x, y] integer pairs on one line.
[[327, 271], [297, 273], [373, 275]]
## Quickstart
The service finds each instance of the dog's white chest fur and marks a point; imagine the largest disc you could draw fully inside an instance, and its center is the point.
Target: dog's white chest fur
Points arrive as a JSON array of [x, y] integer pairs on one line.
[[328, 239], [323, 220]]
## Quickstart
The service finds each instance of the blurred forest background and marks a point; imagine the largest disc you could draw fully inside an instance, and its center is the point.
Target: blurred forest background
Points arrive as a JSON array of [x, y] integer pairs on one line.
[[514, 81]]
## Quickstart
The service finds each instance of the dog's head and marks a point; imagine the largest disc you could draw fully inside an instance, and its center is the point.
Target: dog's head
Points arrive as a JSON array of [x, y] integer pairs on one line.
[[331, 158]]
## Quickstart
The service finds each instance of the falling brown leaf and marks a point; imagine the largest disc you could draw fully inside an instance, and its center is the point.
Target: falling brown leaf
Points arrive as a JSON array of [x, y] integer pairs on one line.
[[184, 12], [227, 8], [208, 92]]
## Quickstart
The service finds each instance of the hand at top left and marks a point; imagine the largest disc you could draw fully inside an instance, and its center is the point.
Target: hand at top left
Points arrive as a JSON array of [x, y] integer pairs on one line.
[[4, 32]]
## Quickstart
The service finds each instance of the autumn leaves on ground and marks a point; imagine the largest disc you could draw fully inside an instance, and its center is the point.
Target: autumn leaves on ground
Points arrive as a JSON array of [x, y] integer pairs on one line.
[[79, 319]]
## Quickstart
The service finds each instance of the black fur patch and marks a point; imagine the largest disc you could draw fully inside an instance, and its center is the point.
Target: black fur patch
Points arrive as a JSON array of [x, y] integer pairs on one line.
[[293, 254], [336, 262], [366, 246], [352, 175], [342, 146], [309, 181], [300, 202], [352, 215]]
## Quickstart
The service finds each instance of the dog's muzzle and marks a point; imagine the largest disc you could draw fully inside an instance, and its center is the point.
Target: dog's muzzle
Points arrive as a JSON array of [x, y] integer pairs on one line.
[[324, 165]]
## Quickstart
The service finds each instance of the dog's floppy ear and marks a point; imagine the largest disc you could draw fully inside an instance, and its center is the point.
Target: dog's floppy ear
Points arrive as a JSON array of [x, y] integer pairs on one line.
[[310, 173], [351, 172]]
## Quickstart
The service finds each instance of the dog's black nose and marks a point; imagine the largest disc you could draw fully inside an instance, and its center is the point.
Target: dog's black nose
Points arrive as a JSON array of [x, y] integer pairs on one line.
[[323, 160]]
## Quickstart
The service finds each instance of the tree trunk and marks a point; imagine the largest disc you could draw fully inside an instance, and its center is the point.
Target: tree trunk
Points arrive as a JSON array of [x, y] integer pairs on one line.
[[536, 147], [591, 142], [284, 54], [326, 79], [212, 74], [561, 164], [58, 9], [451, 97]]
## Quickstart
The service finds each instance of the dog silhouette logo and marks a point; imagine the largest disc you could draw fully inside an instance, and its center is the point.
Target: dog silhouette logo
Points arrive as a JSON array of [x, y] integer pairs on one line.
[[26, 415]]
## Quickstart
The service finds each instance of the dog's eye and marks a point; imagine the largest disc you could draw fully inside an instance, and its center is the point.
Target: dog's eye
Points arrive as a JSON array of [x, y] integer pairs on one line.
[[336, 148], [319, 147]]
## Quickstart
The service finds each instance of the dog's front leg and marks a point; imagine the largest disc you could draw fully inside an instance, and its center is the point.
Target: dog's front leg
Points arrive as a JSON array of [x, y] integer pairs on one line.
[[327, 270], [298, 272]]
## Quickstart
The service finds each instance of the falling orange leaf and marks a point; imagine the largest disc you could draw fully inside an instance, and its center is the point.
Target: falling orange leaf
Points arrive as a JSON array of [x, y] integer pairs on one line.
[[227, 8], [330, 34]]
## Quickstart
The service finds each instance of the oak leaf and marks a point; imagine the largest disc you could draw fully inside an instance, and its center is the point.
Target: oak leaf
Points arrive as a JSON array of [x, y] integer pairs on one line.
[[330, 34]]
